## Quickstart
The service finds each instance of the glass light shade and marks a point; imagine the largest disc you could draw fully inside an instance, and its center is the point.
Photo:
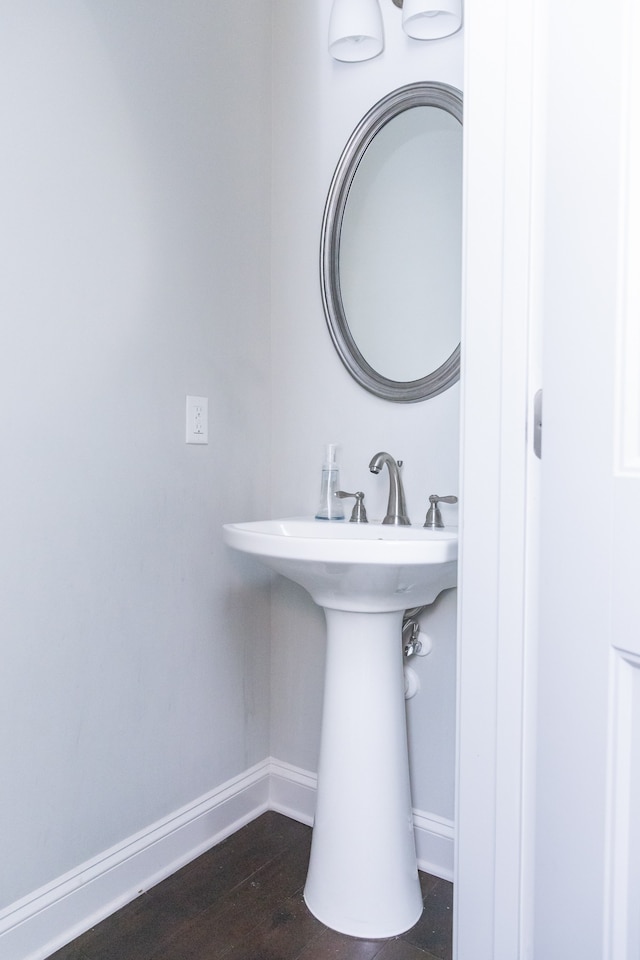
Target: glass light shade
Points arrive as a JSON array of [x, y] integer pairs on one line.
[[355, 30], [431, 19]]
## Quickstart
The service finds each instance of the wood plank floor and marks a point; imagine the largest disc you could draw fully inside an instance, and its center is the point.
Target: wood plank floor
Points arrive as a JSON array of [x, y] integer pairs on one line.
[[242, 900]]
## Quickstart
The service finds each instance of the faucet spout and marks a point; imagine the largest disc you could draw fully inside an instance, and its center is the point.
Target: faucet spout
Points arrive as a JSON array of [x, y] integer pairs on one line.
[[396, 508]]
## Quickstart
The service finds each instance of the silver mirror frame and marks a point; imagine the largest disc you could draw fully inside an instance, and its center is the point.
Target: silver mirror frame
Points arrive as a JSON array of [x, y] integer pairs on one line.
[[422, 94]]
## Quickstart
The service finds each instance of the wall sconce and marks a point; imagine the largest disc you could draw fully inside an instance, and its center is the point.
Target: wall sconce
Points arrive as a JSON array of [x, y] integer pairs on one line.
[[356, 32], [430, 19]]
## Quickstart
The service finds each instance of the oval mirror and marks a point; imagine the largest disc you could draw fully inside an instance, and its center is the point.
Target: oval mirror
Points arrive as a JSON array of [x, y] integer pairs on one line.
[[391, 245]]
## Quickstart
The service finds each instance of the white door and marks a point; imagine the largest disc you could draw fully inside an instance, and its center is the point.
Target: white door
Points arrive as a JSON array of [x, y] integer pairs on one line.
[[587, 812], [548, 819]]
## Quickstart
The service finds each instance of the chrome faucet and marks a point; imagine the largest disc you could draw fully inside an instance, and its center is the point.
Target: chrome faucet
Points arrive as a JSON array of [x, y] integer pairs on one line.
[[396, 509]]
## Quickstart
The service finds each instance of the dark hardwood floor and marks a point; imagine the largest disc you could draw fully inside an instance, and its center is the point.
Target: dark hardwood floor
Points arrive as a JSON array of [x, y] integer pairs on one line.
[[242, 900]]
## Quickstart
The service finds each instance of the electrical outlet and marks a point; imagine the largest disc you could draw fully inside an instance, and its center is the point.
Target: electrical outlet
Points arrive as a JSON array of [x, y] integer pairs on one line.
[[197, 420]]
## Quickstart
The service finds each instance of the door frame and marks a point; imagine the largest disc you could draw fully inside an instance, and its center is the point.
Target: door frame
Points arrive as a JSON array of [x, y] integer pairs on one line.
[[503, 124]]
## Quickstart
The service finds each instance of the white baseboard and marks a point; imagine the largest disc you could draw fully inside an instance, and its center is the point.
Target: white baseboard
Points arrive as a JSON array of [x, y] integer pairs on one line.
[[434, 844], [36, 926], [292, 791]]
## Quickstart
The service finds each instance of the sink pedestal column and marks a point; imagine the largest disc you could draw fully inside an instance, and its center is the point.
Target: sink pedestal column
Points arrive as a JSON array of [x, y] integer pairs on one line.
[[363, 877]]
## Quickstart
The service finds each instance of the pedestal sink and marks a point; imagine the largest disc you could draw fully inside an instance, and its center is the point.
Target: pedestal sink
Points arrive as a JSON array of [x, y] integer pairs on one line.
[[363, 877]]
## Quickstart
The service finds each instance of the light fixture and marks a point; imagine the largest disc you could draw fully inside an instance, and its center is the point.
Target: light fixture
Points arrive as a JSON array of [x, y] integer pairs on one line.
[[355, 30], [430, 19]]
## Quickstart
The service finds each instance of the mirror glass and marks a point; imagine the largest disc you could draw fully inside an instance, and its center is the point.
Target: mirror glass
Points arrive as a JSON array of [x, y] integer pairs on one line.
[[391, 245]]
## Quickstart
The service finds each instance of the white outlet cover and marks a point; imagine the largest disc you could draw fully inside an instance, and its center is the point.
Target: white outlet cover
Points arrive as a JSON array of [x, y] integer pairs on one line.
[[197, 420]]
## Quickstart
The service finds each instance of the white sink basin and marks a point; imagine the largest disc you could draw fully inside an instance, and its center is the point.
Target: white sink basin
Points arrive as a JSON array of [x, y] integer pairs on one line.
[[363, 877], [365, 567]]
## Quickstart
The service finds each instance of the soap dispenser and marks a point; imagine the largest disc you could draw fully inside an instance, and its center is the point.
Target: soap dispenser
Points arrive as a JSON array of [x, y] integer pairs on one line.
[[330, 506]]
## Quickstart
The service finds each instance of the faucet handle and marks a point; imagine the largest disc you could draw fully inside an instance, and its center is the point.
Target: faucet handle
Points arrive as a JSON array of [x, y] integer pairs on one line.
[[358, 514], [434, 517]]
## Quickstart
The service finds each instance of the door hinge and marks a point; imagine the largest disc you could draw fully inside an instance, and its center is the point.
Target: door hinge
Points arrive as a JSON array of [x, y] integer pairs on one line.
[[537, 424]]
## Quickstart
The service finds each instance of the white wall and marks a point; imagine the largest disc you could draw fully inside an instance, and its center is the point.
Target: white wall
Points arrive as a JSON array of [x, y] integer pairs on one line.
[[134, 180], [138, 252], [317, 103]]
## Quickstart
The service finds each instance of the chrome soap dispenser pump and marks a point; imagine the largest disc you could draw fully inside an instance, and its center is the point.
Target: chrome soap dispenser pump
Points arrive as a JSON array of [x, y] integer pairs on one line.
[[330, 506]]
